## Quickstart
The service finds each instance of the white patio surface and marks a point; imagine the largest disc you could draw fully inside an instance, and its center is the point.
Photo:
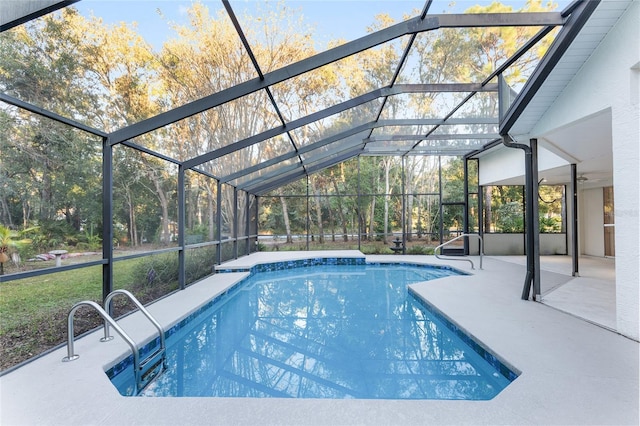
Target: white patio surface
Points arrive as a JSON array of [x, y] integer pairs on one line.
[[572, 370]]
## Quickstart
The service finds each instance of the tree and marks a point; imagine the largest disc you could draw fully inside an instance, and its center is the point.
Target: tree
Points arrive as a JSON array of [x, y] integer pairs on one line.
[[49, 167], [9, 241]]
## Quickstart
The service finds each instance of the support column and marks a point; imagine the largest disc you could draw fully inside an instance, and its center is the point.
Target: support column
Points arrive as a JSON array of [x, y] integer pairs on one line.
[[440, 210], [235, 222], [219, 222], [253, 225], [308, 214], [404, 205], [534, 220], [465, 190], [358, 208], [107, 219], [181, 228], [575, 251], [247, 227]]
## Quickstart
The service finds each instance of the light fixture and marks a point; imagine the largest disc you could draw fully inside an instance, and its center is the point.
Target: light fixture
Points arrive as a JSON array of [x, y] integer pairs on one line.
[[581, 179]]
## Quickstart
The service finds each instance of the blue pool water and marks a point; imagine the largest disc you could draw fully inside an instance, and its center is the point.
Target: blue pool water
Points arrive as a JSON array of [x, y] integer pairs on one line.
[[347, 331]]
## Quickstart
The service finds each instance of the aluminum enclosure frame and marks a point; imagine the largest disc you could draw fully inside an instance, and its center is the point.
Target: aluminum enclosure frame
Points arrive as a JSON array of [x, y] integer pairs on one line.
[[571, 20]]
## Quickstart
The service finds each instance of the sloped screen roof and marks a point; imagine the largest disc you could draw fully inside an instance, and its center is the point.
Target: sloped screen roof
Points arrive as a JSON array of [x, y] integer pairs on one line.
[[251, 94]]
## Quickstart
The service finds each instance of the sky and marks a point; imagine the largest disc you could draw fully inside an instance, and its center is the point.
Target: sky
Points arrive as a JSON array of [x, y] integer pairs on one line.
[[332, 19]]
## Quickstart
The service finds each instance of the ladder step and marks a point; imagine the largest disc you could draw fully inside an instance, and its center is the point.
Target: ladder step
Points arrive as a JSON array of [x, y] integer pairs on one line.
[[150, 367]]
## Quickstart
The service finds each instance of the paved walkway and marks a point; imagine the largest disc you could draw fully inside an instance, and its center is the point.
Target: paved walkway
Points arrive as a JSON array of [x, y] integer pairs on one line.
[[590, 296]]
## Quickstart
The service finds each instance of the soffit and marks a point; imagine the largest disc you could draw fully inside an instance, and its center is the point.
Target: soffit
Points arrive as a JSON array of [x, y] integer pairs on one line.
[[582, 47]]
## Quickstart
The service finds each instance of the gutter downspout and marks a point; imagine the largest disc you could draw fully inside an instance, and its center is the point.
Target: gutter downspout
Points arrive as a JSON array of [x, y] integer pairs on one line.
[[531, 226]]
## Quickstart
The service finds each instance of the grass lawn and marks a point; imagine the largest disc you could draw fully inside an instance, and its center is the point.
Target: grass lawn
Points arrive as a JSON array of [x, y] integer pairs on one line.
[[33, 311]]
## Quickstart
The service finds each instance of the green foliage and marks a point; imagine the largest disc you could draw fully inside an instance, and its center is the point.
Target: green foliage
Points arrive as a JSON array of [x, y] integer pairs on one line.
[[509, 217], [374, 249], [199, 263], [417, 250], [155, 275], [89, 241], [53, 234], [550, 224], [551, 205]]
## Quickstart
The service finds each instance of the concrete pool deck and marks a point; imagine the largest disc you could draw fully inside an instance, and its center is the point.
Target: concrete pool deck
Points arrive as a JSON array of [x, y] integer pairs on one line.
[[572, 371]]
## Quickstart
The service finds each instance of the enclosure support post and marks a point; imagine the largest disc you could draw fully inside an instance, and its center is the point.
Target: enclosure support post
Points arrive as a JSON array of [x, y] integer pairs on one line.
[[465, 190], [107, 218], [255, 223], [534, 220], [181, 228], [440, 210], [247, 222], [308, 214], [219, 222], [480, 207], [358, 208], [574, 221], [404, 206], [235, 222]]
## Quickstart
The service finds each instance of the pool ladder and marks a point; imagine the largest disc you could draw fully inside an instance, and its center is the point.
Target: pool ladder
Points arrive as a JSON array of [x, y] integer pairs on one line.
[[144, 370], [435, 251]]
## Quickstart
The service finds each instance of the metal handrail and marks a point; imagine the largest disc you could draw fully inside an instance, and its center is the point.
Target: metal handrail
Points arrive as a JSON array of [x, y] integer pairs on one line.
[[71, 356], [435, 251], [107, 306]]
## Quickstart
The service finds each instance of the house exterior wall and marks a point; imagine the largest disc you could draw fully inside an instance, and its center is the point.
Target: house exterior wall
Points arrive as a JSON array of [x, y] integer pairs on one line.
[[610, 79], [591, 222], [508, 163], [502, 164], [515, 244]]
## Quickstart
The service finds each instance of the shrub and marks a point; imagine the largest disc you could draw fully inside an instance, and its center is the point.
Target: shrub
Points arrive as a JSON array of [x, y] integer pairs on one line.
[[416, 250]]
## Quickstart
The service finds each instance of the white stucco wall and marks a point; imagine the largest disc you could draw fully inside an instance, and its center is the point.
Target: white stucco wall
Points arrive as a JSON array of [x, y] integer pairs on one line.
[[507, 163], [610, 79], [591, 222], [504, 244], [515, 244], [501, 164]]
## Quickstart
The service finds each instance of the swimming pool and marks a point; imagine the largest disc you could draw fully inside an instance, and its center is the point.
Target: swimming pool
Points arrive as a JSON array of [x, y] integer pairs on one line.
[[328, 331]]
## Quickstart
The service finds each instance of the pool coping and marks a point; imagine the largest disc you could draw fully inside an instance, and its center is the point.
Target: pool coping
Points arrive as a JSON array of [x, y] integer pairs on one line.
[[568, 366]]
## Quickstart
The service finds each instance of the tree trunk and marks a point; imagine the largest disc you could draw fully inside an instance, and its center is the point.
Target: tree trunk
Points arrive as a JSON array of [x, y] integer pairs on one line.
[[409, 212], [164, 204], [133, 229], [211, 212], [6, 215], [345, 234], [46, 209], [318, 207], [487, 209], [285, 216], [332, 223], [387, 167], [372, 220], [26, 213]]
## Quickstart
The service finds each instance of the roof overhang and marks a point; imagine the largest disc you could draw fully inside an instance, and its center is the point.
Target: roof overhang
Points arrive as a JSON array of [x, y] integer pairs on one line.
[[16, 12]]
